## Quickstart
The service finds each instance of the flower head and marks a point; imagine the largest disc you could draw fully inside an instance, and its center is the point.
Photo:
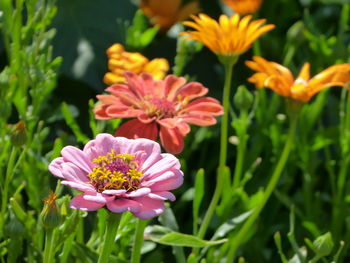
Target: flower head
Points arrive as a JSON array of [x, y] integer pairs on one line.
[[244, 6], [229, 36], [120, 61], [280, 79], [120, 174], [166, 105], [165, 13]]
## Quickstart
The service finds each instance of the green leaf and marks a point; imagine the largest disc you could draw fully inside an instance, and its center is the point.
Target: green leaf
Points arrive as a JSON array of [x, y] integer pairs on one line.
[[166, 236], [70, 120], [198, 196], [230, 225]]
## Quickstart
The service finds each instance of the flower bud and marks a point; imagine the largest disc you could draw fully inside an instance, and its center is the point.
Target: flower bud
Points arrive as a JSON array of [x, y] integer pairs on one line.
[[19, 134], [243, 99], [323, 245], [50, 215]]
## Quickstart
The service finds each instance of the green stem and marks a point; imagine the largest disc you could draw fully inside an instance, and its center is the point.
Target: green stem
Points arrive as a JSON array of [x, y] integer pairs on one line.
[[223, 149], [49, 246], [338, 206], [228, 63], [138, 240], [5, 190], [112, 224], [241, 149], [224, 121], [239, 238]]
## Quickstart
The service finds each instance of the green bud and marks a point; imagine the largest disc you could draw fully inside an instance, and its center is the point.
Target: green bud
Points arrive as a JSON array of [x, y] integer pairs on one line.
[[19, 134], [323, 245], [50, 215], [243, 99]]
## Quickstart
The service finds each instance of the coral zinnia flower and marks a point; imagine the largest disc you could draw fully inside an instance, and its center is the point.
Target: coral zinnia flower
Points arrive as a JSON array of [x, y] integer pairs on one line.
[[166, 13], [231, 36], [244, 6], [167, 104], [280, 79], [120, 61], [119, 173]]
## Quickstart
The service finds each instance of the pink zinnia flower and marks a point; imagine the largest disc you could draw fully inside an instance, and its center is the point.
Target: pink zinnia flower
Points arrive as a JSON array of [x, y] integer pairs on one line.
[[119, 173], [165, 105]]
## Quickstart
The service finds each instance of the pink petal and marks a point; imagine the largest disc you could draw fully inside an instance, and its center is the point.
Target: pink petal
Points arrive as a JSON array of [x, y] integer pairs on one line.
[[55, 167], [167, 181], [100, 112], [135, 129], [139, 192], [72, 173], [206, 106], [135, 83], [165, 195], [193, 90], [103, 143], [169, 123], [149, 207], [172, 85], [172, 140], [198, 119], [163, 165], [122, 111], [78, 202], [148, 83], [97, 197], [114, 192], [78, 157], [144, 118], [83, 187], [121, 205], [183, 128], [108, 99]]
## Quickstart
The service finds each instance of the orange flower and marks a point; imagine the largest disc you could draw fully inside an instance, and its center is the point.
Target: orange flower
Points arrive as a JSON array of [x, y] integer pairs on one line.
[[166, 13], [120, 61], [231, 36], [244, 6], [280, 79]]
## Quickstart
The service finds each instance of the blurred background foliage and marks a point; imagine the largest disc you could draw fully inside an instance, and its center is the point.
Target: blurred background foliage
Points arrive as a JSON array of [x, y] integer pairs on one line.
[[317, 31]]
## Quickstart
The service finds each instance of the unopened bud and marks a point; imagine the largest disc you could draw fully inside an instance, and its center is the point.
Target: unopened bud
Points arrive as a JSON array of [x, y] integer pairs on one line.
[[323, 245], [50, 215], [19, 134], [243, 99]]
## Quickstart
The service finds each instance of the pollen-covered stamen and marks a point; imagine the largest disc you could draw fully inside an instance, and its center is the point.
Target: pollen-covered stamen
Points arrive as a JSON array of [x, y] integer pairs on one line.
[[115, 172], [160, 108]]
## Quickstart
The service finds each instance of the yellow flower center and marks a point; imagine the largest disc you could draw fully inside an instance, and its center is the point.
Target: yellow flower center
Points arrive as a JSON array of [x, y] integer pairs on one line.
[[115, 172]]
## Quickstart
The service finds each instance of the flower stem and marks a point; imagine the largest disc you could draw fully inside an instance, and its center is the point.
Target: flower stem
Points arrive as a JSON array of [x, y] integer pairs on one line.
[[49, 246], [228, 64], [241, 149], [226, 104], [112, 224], [138, 240], [239, 238], [5, 190]]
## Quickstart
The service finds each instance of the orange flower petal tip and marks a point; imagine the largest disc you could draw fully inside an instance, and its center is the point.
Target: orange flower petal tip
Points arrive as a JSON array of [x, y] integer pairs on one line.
[[279, 78], [228, 36]]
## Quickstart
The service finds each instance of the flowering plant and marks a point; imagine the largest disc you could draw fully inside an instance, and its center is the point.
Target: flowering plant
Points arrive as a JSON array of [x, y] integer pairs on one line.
[[120, 174], [166, 105]]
